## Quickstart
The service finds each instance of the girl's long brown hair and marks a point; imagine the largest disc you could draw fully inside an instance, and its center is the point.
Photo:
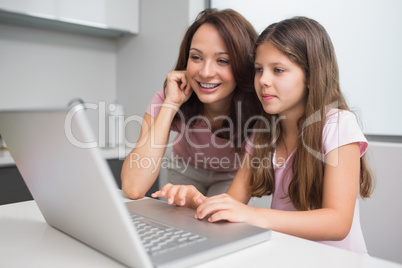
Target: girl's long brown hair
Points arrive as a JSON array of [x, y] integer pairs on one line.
[[239, 37], [307, 44]]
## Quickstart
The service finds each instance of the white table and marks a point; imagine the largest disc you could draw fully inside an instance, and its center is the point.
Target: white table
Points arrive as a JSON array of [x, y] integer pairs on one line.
[[26, 240]]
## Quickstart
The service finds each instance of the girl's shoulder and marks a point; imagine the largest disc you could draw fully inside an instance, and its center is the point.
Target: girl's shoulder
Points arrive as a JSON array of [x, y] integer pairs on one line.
[[341, 128], [338, 115]]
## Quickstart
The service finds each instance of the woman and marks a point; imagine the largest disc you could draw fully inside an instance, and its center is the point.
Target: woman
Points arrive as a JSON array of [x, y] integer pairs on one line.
[[209, 100]]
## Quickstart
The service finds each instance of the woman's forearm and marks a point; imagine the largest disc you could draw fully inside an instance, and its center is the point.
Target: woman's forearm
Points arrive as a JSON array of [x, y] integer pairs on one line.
[[142, 166]]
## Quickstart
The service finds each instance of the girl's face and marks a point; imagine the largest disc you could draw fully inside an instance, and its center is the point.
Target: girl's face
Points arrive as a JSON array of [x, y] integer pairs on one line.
[[208, 68], [279, 82]]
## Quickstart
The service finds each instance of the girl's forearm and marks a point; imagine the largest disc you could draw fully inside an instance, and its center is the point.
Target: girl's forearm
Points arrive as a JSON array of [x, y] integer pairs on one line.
[[317, 225]]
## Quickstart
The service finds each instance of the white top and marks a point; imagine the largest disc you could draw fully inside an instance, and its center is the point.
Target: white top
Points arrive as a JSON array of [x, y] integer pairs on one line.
[[340, 128]]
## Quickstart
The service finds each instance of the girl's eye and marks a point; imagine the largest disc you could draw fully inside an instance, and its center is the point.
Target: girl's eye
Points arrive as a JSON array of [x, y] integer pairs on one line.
[[278, 70], [258, 70]]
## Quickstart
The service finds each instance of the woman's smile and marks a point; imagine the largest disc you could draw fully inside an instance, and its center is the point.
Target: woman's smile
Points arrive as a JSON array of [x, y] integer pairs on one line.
[[208, 87]]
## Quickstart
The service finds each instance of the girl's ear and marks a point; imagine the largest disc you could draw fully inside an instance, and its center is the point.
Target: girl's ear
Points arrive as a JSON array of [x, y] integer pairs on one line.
[[307, 82]]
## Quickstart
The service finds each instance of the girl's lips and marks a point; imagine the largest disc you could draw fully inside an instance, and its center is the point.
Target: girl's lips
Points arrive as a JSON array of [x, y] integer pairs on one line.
[[267, 97], [208, 87]]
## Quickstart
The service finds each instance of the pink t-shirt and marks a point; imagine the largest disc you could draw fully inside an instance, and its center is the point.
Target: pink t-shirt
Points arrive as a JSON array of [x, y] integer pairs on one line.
[[341, 128], [197, 145]]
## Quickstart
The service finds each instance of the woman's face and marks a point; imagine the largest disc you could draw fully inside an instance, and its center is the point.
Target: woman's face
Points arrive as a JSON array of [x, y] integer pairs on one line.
[[208, 68]]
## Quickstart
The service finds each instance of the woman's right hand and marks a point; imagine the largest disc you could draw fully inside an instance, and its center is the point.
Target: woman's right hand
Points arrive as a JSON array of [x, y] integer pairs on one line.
[[181, 195], [178, 90]]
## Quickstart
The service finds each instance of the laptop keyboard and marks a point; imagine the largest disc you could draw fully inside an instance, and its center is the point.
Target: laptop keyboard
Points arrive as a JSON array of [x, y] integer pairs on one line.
[[158, 238]]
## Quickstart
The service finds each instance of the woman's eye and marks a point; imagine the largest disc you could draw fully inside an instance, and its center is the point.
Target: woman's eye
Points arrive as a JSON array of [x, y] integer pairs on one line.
[[223, 61], [195, 57]]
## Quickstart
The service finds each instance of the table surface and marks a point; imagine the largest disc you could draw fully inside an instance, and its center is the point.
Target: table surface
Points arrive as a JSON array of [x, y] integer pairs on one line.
[[26, 240]]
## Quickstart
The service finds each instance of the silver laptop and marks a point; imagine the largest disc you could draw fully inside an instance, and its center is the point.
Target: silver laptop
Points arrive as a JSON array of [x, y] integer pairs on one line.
[[56, 154]]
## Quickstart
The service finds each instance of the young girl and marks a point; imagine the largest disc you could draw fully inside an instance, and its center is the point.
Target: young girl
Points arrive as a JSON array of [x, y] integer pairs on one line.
[[209, 100], [307, 152]]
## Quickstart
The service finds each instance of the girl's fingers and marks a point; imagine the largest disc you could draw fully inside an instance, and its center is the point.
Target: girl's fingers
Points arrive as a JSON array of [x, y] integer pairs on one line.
[[219, 216], [204, 209], [211, 205]]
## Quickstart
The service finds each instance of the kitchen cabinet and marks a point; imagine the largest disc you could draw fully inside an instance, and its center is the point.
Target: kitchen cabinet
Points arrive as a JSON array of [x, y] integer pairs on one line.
[[105, 18]]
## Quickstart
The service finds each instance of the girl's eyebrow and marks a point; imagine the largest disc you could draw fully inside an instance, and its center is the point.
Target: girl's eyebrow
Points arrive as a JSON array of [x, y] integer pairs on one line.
[[217, 53], [271, 63]]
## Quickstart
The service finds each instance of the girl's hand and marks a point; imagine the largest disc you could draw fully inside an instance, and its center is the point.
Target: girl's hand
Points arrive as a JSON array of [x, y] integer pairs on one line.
[[224, 207], [181, 195], [178, 90]]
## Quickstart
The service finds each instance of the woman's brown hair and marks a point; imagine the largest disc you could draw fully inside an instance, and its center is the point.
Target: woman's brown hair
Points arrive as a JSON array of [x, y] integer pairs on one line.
[[239, 37], [305, 42]]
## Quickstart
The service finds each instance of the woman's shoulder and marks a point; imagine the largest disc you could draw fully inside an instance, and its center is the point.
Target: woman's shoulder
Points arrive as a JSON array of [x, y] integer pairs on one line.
[[155, 104]]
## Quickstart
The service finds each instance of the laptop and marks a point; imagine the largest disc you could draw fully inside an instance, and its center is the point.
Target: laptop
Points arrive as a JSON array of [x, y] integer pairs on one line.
[[56, 152]]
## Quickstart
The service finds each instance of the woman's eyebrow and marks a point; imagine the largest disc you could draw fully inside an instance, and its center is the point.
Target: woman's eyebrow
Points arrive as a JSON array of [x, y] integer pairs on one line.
[[196, 49], [217, 53]]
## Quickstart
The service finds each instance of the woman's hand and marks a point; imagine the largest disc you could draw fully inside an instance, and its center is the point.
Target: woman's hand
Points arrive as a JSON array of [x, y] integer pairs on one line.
[[181, 195], [224, 207], [178, 90]]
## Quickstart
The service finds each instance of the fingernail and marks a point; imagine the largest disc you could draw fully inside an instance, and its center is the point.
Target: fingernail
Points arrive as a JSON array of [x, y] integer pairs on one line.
[[181, 203], [170, 201], [162, 192]]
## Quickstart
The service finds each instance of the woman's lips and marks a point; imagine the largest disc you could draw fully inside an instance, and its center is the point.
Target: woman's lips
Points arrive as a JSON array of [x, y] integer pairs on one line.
[[208, 87]]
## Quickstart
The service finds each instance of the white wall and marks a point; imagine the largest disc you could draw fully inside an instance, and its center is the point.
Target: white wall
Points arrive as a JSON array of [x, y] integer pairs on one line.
[[144, 60], [367, 39], [42, 68]]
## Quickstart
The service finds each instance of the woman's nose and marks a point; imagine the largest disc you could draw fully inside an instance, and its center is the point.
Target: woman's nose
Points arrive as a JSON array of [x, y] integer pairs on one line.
[[208, 69]]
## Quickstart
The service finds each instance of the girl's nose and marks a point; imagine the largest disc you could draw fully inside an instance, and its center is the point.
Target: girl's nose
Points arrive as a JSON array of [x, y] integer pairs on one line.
[[208, 69], [265, 80]]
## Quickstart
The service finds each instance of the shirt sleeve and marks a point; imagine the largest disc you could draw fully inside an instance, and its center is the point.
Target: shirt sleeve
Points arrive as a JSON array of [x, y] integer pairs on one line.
[[250, 144], [155, 105], [342, 128]]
